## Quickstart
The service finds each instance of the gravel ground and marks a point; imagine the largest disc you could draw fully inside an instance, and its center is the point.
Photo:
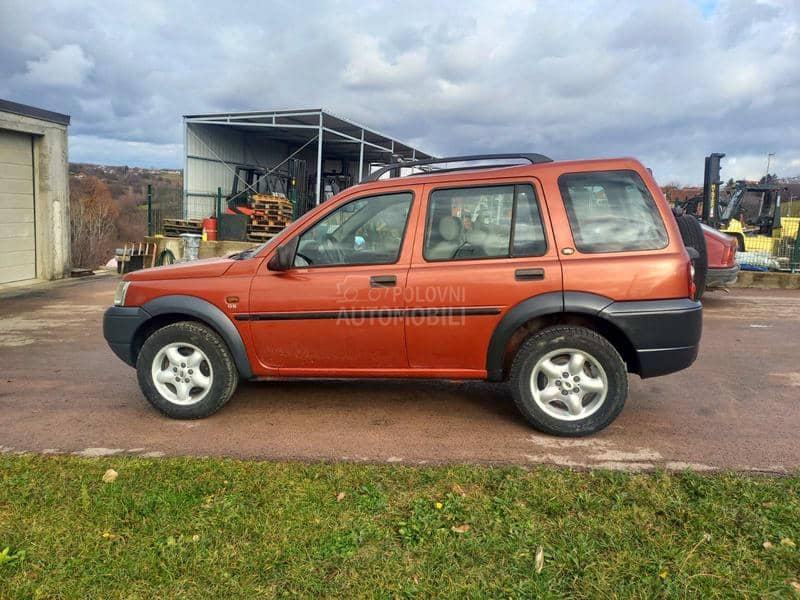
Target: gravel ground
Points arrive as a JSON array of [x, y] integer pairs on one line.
[[738, 407]]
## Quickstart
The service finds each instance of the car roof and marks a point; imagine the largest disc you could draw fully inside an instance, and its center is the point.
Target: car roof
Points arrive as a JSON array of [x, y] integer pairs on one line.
[[553, 168]]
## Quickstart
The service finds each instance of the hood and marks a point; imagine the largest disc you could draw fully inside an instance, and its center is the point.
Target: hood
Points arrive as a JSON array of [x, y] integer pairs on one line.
[[208, 267]]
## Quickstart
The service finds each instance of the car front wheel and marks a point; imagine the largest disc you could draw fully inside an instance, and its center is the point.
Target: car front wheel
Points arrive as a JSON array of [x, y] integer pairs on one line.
[[568, 381], [186, 371]]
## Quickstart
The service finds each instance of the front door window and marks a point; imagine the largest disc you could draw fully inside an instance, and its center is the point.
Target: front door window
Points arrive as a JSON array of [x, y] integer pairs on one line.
[[367, 231]]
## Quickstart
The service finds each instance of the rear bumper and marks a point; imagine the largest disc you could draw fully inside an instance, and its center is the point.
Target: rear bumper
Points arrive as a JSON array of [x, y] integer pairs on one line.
[[120, 324], [664, 333], [722, 277]]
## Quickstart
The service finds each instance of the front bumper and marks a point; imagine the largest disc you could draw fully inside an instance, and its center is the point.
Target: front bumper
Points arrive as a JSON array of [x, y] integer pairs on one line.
[[722, 277], [120, 324], [665, 333]]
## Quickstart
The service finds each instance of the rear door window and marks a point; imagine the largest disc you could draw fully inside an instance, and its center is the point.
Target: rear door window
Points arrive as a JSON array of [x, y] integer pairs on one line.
[[611, 211], [499, 221]]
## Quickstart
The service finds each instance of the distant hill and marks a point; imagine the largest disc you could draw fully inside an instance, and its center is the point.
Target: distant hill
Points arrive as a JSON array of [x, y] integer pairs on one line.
[[126, 188], [128, 185]]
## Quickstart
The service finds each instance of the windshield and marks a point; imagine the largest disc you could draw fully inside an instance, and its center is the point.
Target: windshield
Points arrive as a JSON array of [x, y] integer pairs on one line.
[[252, 251], [729, 206]]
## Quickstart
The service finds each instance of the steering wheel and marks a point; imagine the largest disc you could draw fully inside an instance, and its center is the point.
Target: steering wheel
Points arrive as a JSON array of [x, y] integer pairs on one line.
[[330, 247], [461, 246]]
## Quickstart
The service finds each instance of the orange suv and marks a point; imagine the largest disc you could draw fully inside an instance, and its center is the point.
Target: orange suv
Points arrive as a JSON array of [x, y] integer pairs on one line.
[[558, 277]]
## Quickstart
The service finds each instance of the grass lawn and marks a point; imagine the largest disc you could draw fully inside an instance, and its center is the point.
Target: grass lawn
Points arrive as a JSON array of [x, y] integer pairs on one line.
[[207, 528]]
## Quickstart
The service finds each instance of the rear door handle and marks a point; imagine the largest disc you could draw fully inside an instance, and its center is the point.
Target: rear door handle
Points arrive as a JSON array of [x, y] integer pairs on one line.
[[529, 274], [383, 281]]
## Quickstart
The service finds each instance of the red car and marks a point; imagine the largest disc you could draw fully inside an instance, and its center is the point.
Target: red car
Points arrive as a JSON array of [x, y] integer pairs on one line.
[[721, 251], [557, 277]]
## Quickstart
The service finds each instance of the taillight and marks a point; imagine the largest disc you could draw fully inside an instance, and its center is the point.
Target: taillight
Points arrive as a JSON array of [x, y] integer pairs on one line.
[[730, 256], [692, 286]]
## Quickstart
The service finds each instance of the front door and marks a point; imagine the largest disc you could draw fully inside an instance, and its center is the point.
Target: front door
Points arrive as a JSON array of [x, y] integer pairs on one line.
[[338, 310], [486, 247]]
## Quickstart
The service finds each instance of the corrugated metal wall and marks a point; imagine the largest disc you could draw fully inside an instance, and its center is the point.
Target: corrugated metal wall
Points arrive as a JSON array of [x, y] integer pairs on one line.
[[206, 147]]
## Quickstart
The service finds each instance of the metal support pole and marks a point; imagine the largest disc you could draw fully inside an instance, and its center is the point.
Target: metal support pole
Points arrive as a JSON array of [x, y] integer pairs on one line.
[[795, 262], [218, 212], [319, 162], [185, 198], [361, 158], [149, 209]]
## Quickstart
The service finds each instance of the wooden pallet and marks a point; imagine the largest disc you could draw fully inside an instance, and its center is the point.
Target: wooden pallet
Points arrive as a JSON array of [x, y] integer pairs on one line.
[[277, 218], [260, 236], [257, 214], [184, 222], [175, 227], [272, 205], [269, 201], [268, 225], [265, 227]]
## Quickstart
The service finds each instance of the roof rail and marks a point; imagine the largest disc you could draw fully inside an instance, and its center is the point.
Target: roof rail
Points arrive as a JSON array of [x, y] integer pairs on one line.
[[530, 157]]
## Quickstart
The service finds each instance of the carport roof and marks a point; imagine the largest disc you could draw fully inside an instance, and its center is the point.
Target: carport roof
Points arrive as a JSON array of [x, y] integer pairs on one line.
[[341, 136]]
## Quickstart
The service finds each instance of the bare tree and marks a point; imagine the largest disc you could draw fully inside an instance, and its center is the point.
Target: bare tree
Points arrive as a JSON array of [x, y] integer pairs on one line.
[[93, 214]]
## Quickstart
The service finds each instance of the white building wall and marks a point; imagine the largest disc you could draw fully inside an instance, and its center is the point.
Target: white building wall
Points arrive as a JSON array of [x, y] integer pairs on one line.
[[51, 192], [213, 152]]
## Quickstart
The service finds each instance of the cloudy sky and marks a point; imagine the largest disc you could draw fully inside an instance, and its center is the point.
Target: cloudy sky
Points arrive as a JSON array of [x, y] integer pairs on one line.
[[667, 82]]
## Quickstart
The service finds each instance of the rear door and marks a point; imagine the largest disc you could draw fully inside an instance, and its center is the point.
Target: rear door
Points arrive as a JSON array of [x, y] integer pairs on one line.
[[481, 249]]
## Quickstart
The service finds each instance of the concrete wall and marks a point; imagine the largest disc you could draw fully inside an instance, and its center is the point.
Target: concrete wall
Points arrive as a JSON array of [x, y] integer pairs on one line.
[[51, 189]]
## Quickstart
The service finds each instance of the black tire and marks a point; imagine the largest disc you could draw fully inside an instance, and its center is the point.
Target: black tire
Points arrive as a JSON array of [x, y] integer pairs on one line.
[[693, 237], [223, 382], [569, 337]]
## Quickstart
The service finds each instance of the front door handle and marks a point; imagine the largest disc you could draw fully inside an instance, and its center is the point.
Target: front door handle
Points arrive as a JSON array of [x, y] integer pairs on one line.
[[383, 281], [529, 274]]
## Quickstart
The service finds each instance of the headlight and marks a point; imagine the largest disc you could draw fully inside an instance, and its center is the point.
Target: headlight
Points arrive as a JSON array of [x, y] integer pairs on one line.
[[119, 295]]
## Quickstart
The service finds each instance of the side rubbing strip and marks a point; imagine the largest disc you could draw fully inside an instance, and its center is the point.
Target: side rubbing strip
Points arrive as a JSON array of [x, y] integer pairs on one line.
[[311, 316], [369, 314], [451, 312]]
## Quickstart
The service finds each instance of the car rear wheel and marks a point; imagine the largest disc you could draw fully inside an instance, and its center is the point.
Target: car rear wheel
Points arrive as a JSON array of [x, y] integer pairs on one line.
[[186, 371], [568, 381], [692, 234]]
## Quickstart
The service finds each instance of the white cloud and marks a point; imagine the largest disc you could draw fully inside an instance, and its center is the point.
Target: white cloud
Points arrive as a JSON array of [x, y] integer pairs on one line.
[[66, 66], [109, 151], [667, 82]]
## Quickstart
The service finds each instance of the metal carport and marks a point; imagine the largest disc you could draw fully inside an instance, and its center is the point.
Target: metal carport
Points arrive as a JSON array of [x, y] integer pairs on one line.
[[214, 144]]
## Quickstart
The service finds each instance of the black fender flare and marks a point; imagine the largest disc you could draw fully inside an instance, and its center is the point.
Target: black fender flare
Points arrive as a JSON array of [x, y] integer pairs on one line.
[[536, 306], [192, 306]]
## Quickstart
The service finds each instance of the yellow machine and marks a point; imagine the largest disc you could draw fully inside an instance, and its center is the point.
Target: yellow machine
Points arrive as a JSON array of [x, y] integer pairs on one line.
[[750, 213], [775, 244]]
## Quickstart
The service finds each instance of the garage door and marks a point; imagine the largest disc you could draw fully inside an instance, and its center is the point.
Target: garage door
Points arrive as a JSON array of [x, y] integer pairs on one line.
[[17, 233]]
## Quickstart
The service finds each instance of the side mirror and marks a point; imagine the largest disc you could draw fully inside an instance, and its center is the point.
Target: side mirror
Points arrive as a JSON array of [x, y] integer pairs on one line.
[[284, 256]]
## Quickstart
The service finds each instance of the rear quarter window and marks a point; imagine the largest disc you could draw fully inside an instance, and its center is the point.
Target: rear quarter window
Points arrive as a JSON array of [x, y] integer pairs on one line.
[[611, 211]]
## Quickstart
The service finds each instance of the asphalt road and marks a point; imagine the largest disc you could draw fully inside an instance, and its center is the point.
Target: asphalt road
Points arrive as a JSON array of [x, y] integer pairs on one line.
[[738, 407]]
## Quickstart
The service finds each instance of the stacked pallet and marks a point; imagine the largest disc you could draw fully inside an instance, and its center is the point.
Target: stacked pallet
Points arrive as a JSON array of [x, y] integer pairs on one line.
[[175, 227], [271, 214]]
